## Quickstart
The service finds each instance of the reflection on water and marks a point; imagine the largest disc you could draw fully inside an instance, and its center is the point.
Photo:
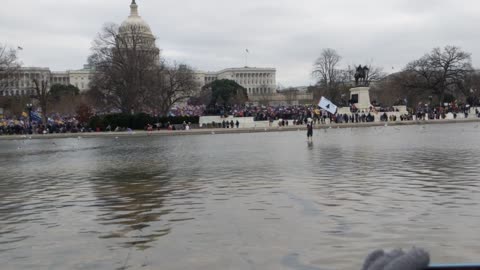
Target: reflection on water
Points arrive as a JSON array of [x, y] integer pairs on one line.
[[242, 201], [130, 200]]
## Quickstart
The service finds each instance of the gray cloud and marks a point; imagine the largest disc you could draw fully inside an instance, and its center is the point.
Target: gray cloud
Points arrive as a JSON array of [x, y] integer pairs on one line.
[[213, 34]]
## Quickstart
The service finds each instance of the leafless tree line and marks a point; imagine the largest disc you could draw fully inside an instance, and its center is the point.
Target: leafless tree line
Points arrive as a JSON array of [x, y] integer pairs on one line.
[[9, 76], [131, 76], [440, 73], [9, 66], [335, 81], [437, 77]]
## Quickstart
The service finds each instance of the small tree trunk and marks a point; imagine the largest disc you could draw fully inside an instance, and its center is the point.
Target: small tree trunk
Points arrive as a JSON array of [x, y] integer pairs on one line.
[[43, 106]]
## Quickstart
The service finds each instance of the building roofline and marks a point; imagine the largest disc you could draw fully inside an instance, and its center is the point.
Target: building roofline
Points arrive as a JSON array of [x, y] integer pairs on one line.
[[31, 68], [238, 69], [247, 68]]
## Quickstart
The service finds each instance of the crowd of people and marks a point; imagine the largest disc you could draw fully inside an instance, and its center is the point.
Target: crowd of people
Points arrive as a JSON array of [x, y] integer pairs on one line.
[[187, 110], [56, 124], [300, 113], [424, 112], [285, 115], [226, 124], [265, 113]]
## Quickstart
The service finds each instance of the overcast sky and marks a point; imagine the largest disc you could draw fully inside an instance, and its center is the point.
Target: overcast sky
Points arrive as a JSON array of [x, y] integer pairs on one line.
[[213, 34]]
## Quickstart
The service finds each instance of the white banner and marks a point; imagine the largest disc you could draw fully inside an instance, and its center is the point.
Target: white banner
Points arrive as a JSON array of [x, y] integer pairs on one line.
[[327, 105]]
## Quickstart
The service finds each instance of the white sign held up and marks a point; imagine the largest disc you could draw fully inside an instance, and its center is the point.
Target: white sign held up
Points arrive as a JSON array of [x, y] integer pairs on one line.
[[327, 105]]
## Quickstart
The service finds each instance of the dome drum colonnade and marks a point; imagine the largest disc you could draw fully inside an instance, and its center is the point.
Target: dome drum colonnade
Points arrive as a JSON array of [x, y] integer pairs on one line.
[[255, 80], [134, 27]]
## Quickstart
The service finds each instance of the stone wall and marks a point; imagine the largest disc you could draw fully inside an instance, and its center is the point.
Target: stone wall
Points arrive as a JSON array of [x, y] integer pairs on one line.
[[245, 122]]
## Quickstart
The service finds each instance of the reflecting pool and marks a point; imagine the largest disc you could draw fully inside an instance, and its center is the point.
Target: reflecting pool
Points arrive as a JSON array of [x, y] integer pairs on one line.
[[240, 201]]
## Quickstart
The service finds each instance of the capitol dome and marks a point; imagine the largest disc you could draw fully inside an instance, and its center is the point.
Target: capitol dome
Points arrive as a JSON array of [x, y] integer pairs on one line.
[[134, 21]]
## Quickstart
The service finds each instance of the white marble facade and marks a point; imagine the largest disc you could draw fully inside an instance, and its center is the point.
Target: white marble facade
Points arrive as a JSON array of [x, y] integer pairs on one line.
[[255, 80], [23, 85]]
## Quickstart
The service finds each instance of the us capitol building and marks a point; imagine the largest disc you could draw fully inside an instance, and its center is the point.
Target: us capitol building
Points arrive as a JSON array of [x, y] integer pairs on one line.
[[257, 81], [24, 85]]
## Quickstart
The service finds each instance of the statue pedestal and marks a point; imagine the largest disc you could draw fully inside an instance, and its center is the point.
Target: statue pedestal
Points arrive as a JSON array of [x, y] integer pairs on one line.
[[361, 97]]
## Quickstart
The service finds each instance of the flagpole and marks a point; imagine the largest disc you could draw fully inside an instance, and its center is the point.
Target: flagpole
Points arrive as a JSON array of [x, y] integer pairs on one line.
[[246, 58]]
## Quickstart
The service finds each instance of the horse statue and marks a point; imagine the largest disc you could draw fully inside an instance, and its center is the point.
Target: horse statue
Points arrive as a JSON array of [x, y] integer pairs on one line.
[[361, 75]]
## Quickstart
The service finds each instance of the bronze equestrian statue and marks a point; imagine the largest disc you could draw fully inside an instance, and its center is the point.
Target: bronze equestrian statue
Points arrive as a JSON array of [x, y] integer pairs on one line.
[[361, 75]]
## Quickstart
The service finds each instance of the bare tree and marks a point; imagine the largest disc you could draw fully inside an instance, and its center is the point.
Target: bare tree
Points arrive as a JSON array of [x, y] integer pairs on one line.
[[333, 82], [14, 105], [9, 67], [124, 58], [472, 89], [83, 113], [326, 68], [290, 95], [441, 71], [375, 74], [398, 89], [169, 85], [264, 96], [65, 104], [202, 97], [41, 94]]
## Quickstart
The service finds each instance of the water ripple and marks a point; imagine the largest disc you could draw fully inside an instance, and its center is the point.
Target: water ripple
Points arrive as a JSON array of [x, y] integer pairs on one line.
[[239, 201]]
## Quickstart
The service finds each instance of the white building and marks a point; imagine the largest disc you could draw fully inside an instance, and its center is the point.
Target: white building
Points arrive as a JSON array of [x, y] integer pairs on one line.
[[61, 77], [23, 84], [81, 78], [258, 82], [255, 80], [134, 32]]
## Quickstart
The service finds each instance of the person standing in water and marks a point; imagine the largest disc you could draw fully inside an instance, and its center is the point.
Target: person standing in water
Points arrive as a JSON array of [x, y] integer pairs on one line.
[[309, 131]]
